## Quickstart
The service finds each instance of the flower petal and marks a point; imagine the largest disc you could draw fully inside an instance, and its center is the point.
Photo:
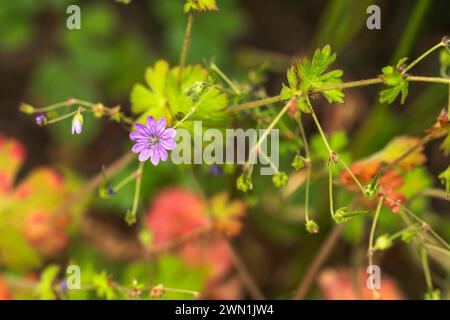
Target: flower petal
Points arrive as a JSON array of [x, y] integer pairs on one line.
[[139, 147], [160, 126], [168, 144], [155, 157], [162, 153], [136, 136], [151, 123], [169, 133], [141, 128], [144, 155]]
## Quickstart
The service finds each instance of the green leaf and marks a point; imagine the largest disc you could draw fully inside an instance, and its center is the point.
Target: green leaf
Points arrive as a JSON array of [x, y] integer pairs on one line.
[[200, 6], [44, 289], [397, 84], [166, 97], [305, 75], [103, 287]]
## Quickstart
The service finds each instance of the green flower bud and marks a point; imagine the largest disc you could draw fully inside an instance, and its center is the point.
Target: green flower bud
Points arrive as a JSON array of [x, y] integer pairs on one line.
[[244, 182], [99, 110], [312, 227], [195, 91], [130, 217], [371, 189], [408, 236], [433, 295], [280, 179], [383, 242], [26, 108], [340, 216], [298, 162], [343, 215]]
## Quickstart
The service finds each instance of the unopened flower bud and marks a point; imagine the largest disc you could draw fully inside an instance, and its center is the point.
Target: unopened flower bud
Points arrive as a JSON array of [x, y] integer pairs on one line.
[[157, 291], [77, 123], [383, 242], [99, 110], [312, 227], [26, 108], [280, 179], [244, 182], [298, 162], [41, 120]]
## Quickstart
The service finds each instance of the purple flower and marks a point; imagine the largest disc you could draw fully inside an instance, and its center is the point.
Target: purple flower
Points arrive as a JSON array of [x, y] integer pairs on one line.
[[153, 140], [215, 170], [40, 119], [77, 123]]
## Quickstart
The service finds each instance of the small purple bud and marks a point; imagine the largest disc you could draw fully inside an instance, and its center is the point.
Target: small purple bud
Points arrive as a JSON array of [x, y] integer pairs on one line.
[[63, 285], [215, 170], [40, 119], [77, 124], [111, 190]]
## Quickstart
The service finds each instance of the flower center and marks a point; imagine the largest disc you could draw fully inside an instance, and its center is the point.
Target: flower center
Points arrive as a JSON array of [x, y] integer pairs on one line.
[[154, 139]]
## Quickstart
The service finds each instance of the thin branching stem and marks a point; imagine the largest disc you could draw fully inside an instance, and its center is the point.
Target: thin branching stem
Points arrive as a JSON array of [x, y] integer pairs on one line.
[[217, 70], [307, 164], [370, 250], [423, 56], [426, 269], [186, 42], [339, 86]]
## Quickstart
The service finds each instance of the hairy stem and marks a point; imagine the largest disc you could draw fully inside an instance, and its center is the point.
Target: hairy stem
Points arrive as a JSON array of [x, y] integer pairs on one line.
[[370, 251], [308, 165], [137, 193], [423, 56], [426, 269], [69, 115], [187, 40], [330, 189], [339, 86], [225, 78]]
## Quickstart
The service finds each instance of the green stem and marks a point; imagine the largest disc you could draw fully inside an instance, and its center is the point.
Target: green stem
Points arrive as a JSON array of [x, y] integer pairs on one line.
[[192, 110], [339, 86], [187, 39], [125, 181], [255, 104], [428, 79], [319, 127], [71, 114], [437, 248], [264, 136], [308, 165], [308, 182], [423, 56], [330, 189], [352, 175], [83, 103], [225, 78], [131, 218], [372, 230], [53, 107], [272, 165], [430, 230], [426, 269]]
